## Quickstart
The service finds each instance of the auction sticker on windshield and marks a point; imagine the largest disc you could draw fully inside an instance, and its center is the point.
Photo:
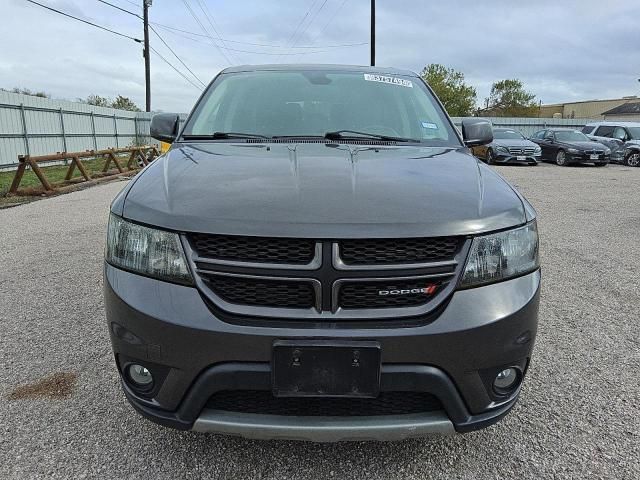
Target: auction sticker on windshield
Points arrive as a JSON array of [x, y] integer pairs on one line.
[[384, 79]]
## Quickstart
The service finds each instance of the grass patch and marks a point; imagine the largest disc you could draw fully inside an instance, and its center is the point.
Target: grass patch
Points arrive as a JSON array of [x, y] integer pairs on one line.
[[54, 174], [31, 185]]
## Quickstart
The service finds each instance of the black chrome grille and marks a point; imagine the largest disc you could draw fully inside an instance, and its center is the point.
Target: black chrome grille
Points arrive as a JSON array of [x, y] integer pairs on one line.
[[274, 293], [321, 279], [263, 402], [387, 293], [294, 251], [398, 251]]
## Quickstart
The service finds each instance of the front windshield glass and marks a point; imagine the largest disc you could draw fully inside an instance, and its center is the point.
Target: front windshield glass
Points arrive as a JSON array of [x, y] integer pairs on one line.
[[312, 103], [507, 135], [634, 132], [571, 136]]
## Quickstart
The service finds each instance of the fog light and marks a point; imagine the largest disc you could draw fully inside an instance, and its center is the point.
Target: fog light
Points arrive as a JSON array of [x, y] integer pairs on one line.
[[139, 375], [506, 380]]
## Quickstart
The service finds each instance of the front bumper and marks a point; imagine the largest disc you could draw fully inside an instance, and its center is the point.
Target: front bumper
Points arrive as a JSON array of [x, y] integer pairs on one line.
[[501, 157], [171, 329], [582, 158]]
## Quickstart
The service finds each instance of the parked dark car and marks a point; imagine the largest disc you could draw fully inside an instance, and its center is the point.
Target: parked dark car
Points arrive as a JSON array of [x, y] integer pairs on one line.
[[623, 138], [508, 146], [564, 147], [313, 259]]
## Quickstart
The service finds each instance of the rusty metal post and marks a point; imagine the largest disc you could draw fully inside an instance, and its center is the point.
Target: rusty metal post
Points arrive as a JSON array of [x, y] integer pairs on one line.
[[64, 134], [93, 131], [24, 129], [115, 130]]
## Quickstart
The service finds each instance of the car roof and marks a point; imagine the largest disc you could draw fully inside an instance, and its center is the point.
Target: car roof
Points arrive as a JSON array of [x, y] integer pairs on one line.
[[505, 129], [318, 67], [613, 124], [563, 130]]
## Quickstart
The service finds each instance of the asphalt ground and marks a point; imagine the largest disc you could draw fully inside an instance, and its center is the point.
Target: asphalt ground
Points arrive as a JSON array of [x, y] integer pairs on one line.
[[578, 416]]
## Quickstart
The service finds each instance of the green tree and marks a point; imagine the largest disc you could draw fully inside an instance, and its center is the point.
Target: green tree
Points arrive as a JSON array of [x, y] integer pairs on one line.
[[97, 100], [508, 98], [458, 98], [124, 103]]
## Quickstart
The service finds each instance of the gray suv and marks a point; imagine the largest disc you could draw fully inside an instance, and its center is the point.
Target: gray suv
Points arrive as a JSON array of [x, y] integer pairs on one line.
[[623, 138], [319, 256]]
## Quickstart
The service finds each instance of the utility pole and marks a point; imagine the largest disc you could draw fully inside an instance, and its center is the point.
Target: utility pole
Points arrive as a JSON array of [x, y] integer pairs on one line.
[[147, 67], [373, 33]]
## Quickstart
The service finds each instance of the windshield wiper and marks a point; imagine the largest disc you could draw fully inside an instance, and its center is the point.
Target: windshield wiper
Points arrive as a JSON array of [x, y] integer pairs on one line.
[[224, 136], [340, 134]]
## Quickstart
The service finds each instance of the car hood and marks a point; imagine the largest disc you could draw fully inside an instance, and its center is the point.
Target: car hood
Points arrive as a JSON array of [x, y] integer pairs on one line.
[[513, 143], [584, 145], [321, 191]]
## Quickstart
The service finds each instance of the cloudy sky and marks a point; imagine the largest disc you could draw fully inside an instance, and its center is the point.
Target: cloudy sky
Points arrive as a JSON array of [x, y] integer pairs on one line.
[[562, 50]]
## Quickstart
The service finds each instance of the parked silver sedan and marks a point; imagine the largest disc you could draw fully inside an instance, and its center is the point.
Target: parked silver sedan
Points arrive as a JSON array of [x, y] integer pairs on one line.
[[509, 146]]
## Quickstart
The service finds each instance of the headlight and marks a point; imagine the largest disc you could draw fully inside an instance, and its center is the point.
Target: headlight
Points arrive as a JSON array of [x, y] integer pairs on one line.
[[147, 251], [573, 150], [503, 255], [538, 150], [502, 149], [607, 151]]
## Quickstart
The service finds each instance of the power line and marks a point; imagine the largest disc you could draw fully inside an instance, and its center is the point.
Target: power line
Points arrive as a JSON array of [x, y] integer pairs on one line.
[[212, 21], [86, 21], [267, 45], [328, 22], [290, 41], [177, 70], [269, 53], [310, 22], [176, 55], [132, 3], [121, 9], [195, 17], [159, 36]]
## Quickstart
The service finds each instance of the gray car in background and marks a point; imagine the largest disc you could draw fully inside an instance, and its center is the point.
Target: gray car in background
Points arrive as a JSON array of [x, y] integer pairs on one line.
[[623, 138], [509, 146], [318, 256]]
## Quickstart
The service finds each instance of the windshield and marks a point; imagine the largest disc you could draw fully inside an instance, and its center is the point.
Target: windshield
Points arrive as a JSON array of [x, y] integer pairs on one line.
[[634, 132], [313, 103], [571, 136], [507, 135]]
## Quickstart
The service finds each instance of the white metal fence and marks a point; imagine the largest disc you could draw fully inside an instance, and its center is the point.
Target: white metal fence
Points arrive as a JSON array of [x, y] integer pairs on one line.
[[37, 126], [529, 126]]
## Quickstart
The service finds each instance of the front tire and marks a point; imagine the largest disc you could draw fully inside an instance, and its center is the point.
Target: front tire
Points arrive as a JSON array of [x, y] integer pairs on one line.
[[632, 160], [561, 158]]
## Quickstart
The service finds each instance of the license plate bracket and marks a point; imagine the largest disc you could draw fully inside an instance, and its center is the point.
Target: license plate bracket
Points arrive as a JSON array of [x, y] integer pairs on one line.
[[594, 157], [325, 368], [521, 158]]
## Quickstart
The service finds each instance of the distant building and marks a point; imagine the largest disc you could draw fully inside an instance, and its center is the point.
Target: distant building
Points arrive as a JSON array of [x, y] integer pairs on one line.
[[595, 109], [628, 112]]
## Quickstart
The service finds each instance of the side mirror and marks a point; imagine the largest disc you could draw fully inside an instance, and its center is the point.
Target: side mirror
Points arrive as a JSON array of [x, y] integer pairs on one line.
[[476, 132], [164, 127]]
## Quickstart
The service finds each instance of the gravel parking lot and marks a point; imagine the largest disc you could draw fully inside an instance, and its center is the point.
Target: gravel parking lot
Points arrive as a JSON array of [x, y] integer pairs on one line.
[[578, 416]]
